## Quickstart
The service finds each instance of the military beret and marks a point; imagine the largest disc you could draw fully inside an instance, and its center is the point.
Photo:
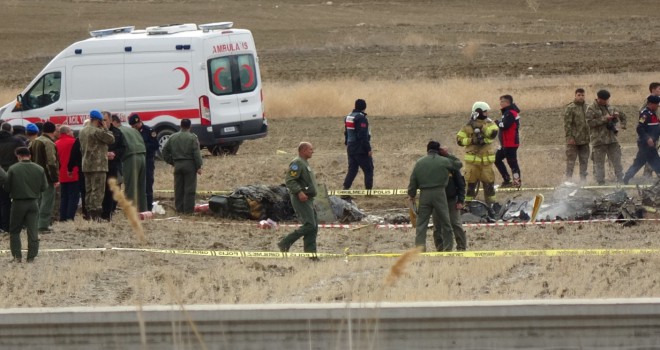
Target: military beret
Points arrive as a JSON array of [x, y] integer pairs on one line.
[[133, 119], [603, 94], [32, 128], [95, 114], [49, 127]]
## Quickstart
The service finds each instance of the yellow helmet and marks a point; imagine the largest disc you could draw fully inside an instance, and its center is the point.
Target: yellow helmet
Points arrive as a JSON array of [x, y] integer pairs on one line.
[[483, 106]]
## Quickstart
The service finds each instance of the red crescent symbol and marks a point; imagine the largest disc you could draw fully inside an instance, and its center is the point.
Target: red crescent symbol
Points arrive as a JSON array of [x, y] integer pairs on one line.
[[250, 74], [216, 79], [186, 76]]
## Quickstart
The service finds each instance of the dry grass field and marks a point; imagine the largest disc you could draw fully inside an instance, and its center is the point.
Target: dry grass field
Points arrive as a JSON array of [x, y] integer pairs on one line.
[[420, 65]]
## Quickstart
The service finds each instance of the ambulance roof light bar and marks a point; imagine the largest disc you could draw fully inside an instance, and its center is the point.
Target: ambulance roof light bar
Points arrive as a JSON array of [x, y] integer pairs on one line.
[[215, 26], [111, 31], [171, 29]]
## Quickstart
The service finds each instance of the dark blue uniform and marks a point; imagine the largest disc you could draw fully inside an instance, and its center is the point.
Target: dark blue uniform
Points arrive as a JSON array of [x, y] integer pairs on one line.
[[647, 129], [151, 143], [357, 139]]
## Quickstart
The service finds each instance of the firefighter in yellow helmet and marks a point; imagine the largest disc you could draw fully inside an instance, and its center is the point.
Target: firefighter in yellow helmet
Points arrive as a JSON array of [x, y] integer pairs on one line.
[[477, 137]]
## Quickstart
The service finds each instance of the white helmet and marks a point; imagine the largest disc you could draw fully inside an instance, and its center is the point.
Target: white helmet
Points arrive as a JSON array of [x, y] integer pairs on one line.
[[483, 106]]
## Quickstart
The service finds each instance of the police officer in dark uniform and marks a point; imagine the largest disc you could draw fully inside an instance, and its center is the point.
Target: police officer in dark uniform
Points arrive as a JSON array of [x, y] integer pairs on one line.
[[151, 143], [301, 183], [648, 131], [357, 137]]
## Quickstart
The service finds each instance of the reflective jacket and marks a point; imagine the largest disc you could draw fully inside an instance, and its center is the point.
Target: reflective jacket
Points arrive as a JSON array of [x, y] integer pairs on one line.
[[475, 151]]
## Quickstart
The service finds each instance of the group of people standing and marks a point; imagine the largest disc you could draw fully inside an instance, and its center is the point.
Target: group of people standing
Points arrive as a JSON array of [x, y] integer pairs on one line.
[[47, 157], [443, 191], [598, 124]]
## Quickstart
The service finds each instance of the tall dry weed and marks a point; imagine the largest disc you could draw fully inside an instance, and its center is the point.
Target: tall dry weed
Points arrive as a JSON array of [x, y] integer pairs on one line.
[[129, 210], [426, 97], [399, 268]]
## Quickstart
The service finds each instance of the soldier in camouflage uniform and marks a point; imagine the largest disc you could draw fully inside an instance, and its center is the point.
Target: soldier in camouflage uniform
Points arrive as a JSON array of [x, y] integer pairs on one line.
[[182, 151], [25, 181], [654, 90], [603, 119], [44, 153], [430, 176], [94, 141], [301, 183], [577, 135]]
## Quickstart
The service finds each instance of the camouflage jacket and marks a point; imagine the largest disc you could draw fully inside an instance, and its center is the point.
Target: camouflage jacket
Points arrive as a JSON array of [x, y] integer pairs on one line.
[[94, 143], [44, 153], [575, 123], [603, 131]]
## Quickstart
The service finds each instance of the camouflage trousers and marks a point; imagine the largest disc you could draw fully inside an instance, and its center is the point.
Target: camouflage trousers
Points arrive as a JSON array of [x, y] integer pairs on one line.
[[613, 152], [577, 152], [94, 190]]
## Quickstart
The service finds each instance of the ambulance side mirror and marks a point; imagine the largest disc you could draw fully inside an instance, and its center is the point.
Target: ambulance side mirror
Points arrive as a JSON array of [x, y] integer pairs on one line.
[[19, 103]]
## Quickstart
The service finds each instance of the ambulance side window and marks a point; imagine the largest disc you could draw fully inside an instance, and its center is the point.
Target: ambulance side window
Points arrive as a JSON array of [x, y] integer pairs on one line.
[[44, 92], [232, 74]]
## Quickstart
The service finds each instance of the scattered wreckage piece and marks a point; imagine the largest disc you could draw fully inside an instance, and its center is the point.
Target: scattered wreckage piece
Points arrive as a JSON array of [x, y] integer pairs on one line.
[[261, 202]]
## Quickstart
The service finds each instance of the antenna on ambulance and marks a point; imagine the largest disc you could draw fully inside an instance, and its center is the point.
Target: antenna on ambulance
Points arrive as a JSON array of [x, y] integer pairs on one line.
[[111, 31], [215, 26]]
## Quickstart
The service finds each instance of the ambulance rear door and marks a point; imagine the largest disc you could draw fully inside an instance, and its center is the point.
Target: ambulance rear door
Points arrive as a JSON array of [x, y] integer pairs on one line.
[[249, 96]]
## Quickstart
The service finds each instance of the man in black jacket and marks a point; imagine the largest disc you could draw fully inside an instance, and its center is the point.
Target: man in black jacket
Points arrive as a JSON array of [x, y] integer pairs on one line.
[[455, 192], [8, 146], [115, 154]]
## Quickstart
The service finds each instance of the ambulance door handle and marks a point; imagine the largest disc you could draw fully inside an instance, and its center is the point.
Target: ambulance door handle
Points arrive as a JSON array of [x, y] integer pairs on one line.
[[59, 109], [245, 100]]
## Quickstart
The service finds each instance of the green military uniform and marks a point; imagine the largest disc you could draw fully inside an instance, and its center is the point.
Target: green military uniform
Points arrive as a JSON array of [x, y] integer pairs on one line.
[[44, 153], [94, 143], [604, 141], [134, 166], [25, 181], [455, 192], [182, 151], [479, 156], [431, 175], [300, 178], [577, 129]]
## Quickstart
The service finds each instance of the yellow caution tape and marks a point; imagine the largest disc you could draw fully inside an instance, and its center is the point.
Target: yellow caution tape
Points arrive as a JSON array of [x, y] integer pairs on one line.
[[347, 254], [404, 191]]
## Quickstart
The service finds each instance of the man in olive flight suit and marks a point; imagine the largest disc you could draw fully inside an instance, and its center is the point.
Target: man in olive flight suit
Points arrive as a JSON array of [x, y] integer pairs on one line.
[[430, 176], [25, 181], [133, 164], [301, 183], [455, 192], [182, 151]]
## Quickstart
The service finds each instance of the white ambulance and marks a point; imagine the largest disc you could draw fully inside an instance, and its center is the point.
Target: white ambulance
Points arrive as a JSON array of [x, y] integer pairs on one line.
[[207, 73]]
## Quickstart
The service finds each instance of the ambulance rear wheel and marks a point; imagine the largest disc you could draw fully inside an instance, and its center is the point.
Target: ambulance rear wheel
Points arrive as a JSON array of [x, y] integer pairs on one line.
[[162, 137], [224, 150]]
